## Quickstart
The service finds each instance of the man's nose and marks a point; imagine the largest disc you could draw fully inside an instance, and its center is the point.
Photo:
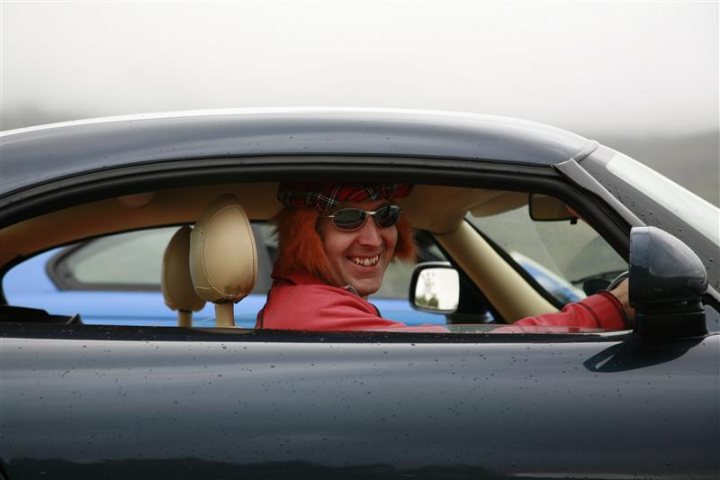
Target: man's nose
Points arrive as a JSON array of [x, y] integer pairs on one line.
[[369, 234]]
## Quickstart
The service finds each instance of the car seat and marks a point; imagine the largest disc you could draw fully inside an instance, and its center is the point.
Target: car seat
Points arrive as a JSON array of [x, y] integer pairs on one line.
[[223, 257]]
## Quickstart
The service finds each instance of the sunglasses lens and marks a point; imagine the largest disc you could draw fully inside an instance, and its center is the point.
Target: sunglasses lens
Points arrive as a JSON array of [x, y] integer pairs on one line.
[[354, 218], [387, 216], [349, 218]]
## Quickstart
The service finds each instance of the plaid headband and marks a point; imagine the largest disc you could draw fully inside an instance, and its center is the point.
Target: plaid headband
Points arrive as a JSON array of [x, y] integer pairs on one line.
[[326, 196]]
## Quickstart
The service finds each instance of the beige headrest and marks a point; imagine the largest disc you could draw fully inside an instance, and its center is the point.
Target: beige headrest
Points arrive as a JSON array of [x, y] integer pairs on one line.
[[223, 259], [177, 286]]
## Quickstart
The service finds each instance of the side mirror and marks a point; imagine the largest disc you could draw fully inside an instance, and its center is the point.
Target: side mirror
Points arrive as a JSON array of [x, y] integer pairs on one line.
[[435, 288], [667, 282], [543, 208]]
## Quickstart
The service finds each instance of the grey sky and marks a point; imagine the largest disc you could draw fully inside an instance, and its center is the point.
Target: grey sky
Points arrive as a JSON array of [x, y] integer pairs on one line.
[[636, 68]]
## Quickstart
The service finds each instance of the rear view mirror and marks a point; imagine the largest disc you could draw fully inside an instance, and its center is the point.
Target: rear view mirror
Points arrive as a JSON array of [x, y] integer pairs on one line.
[[435, 288], [548, 209], [667, 282]]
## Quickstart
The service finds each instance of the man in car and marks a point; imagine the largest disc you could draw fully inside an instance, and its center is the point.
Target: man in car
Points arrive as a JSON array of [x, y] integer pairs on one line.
[[335, 242]]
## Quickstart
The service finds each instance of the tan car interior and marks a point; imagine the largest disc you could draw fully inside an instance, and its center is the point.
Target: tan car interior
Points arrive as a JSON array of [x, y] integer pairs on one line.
[[221, 267]]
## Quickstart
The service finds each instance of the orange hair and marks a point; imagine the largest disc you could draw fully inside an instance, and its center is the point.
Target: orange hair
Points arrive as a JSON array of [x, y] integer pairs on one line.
[[301, 250]]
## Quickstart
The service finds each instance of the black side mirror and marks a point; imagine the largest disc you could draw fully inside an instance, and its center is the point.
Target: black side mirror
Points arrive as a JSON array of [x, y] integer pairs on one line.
[[667, 282]]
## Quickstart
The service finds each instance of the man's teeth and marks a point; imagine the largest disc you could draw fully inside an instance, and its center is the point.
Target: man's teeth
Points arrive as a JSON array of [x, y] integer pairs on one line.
[[366, 261]]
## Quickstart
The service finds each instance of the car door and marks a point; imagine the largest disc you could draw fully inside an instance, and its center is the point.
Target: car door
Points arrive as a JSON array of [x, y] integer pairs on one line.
[[128, 402]]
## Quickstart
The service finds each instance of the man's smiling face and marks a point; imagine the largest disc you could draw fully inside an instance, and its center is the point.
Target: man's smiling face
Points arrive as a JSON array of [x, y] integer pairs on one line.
[[359, 258]]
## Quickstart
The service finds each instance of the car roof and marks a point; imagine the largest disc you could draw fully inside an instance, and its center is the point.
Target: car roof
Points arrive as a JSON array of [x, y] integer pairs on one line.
[[38, 154]]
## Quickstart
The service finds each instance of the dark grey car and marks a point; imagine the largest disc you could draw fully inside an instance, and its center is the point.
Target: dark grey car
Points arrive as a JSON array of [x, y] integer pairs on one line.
[[112, 401]]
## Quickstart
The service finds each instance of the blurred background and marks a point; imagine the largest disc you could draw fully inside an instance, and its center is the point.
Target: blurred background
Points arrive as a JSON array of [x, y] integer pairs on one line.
[[639, 77]]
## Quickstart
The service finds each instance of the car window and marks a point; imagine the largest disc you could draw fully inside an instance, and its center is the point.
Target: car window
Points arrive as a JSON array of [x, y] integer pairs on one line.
[[569, 259], [125, 261], [115, 280], [128, 261]]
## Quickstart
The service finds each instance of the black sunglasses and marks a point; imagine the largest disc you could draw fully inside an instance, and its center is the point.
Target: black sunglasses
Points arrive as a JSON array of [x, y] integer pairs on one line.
[[349, 219]]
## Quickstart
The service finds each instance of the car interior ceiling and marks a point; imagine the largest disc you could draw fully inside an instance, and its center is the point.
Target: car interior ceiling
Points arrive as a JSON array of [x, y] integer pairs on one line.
[[436, 209]]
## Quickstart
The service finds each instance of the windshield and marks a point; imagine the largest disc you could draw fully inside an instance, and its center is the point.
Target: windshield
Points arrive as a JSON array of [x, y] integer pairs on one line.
[[682, 203], [564, 257], [661, 203]]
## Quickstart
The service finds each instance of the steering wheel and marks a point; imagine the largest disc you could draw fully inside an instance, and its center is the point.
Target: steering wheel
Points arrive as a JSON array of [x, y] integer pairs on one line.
[[618, 280]]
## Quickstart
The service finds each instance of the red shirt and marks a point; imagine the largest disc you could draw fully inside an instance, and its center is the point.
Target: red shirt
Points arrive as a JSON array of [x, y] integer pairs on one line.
[[302, 302]]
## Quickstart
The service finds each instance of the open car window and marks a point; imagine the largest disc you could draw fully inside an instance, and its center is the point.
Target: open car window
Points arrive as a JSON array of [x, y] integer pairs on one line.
[[115, 279]]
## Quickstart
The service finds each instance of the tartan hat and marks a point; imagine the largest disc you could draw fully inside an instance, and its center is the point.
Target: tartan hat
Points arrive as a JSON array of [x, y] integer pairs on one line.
[[326, 196]]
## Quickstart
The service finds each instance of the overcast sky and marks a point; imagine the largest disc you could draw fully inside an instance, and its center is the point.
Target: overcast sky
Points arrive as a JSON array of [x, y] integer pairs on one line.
[[638, 67]]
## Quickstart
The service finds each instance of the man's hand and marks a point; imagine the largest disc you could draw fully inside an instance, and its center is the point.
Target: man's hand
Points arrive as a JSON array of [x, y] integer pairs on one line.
[[622, 293]]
